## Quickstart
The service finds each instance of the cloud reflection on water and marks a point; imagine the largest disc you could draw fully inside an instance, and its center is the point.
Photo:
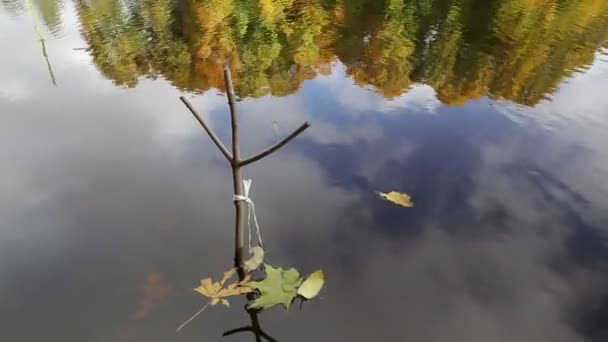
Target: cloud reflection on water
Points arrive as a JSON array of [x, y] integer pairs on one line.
[[102, 186]]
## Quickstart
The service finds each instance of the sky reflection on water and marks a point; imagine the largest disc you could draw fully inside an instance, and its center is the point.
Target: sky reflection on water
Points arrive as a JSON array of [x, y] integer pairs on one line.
[[114, 203]]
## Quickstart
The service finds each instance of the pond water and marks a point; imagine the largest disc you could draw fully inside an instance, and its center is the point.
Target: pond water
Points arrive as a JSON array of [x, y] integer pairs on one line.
[[492, 115]]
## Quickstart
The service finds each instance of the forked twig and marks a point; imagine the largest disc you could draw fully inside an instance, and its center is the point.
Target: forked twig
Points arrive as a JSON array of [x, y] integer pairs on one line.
[[237, 179], [208, 129], [275, 147]]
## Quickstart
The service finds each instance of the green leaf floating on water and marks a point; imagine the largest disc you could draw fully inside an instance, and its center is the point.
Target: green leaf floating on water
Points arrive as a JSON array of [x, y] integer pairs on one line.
[[279, 287]]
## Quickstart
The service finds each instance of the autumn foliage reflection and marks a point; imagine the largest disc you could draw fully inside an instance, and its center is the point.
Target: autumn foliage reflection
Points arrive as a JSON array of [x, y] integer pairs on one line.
[[517, 50]]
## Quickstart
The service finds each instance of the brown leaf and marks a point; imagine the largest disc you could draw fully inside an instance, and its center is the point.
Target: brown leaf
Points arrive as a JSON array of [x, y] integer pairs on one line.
[[156, 291]]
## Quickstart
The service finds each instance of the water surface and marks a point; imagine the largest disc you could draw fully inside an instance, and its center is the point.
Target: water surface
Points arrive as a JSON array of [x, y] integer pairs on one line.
[[492, 115]]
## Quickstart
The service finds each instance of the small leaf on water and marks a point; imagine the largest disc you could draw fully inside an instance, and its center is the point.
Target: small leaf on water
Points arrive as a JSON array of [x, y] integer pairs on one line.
[[206, 289], [398, 198], [256, 259], [215, 290], [311, 287], [279, 287], [227, 276]]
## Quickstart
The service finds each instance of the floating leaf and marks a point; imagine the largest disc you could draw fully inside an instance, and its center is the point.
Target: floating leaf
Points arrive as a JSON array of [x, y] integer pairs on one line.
[[311, 287], [279, 287], [227, 275], [216, 292], [398, 198], [256, 259]]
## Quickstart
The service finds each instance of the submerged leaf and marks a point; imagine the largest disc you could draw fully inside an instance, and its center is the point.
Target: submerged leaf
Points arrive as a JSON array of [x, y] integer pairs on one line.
[[398, 198], [279, 287], [311, 287]]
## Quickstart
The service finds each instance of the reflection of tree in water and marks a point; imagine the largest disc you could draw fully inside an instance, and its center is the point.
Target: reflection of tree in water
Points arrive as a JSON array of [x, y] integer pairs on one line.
[[13, 7], [129, 42], [518, 50], [49, 11]]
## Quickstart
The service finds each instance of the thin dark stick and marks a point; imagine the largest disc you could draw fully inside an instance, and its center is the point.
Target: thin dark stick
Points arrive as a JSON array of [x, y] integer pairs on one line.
[[249, 328], [237, 330], [255, 323], [275, 147], [266, 336], [237, 181], [237, 178], [212, 135]]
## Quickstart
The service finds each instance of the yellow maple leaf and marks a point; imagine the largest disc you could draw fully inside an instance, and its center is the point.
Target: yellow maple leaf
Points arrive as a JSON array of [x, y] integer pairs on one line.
[[398, 198], [207, 288], [227, 275], [217, 292]]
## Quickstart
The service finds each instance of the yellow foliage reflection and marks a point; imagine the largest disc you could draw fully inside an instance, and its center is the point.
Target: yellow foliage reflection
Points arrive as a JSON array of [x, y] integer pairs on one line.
[[519, 50]]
